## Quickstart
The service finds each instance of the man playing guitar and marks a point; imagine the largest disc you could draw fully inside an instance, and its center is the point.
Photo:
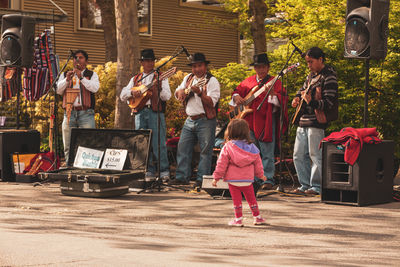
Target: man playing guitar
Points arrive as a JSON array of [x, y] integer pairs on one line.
[[200, 103], [318, 95], [146, 118], [264, 124]]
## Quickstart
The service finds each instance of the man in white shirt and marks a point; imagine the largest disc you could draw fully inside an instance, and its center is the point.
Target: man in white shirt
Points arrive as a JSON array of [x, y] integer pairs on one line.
[[146, 118], [200, 105], [82, 114]]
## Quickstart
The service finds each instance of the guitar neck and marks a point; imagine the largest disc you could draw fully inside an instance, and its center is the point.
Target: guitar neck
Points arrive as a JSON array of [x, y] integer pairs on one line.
[[163, 76]]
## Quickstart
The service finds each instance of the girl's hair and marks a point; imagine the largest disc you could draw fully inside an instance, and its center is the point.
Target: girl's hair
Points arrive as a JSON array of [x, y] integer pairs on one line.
[[316, 53], [238, 129]]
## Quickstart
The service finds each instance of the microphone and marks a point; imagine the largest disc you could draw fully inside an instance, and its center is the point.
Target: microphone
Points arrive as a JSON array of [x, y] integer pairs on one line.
[[188, 56], [298, 50]]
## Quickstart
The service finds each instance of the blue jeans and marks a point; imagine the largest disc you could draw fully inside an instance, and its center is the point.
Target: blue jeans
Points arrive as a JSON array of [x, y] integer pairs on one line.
[[267, 152], [307, 157], [78, 119], [147, 119], [202, 131]]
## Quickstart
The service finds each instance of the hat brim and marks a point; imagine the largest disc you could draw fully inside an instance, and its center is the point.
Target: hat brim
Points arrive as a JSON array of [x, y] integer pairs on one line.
[[207, 62], [148, 58], [257, 64]]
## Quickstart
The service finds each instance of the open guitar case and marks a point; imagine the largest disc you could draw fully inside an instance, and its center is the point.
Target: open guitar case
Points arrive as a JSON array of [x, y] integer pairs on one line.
[[102, 182]]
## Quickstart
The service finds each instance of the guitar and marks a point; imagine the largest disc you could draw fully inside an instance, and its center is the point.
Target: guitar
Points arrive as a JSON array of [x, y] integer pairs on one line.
[[188, 91], [137, 103], [300, 107], [241, 111]]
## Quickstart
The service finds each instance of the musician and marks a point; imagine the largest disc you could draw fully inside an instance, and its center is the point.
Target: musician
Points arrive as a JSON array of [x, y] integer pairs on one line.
[[307, 156], [147, 117], [82, 114], [265, 123], [200, 103]]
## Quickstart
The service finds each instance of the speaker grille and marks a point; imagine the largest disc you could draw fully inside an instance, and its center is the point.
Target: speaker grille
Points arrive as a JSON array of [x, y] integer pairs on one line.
[[10, 50], [356, 37]]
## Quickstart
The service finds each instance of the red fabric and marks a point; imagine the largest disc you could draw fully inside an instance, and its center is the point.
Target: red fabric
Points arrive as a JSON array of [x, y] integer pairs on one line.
[[173, 142], [260, 122], [352, 139], [248, 192], [47, 160]]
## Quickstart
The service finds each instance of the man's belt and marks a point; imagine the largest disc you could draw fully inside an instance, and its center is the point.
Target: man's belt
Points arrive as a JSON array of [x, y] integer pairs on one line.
[[196, 117], [79, 108]]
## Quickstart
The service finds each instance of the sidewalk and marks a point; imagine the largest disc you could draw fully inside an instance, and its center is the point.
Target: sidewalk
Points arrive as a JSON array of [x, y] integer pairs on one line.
[[41, 227]]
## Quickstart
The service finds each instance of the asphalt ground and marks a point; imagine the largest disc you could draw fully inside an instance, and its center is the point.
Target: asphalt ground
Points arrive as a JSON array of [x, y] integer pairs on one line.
[[41, 227]]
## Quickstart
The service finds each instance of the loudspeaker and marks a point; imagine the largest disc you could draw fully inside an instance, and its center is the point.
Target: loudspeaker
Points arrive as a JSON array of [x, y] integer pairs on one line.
[[17, 36], [366, 29], [11, 141], [368, 181]]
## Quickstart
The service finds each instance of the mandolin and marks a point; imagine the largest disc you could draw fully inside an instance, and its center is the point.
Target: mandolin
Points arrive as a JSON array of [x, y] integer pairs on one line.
[[241, 111], [137, 103], [301, 106]]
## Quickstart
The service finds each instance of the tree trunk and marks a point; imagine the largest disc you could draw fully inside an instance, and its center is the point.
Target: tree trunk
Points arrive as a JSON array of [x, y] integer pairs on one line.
[[108, 22], [257, 13], [128, 45]]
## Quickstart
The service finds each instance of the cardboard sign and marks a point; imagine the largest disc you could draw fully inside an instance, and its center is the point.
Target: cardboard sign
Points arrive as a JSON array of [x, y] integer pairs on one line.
[[114, 159], [88, 158], [21, 161]]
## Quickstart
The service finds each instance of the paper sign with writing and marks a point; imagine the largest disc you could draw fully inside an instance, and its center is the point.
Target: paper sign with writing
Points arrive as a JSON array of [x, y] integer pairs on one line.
[[114, 159], [88, 158]]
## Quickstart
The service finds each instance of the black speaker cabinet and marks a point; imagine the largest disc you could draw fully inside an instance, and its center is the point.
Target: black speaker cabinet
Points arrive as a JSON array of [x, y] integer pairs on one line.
[[368, 181], [11, 141]]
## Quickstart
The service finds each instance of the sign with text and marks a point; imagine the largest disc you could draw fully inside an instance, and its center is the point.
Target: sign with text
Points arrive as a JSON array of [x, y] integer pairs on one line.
[[88, 158], [114, 159]]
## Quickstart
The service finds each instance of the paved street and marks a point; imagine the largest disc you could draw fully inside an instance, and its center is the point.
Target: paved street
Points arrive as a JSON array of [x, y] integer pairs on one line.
[[41, 227]]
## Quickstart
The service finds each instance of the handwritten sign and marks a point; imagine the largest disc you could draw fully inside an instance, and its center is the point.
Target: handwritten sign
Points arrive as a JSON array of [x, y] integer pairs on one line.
[[114, 159], [88, 158]]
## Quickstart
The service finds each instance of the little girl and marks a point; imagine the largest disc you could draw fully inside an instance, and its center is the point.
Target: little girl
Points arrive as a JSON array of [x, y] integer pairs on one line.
[[237, 164]]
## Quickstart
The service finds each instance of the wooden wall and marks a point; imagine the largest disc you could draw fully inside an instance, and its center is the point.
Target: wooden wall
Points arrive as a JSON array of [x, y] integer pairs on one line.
[[173, 24]]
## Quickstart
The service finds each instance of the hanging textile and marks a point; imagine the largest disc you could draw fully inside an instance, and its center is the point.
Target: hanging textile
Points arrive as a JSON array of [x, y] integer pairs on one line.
[[9, 82], [38, 79]]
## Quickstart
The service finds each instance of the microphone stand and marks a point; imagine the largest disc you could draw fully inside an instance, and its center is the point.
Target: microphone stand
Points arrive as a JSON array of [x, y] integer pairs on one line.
[[54, 87], [280, 74], [157, 183]]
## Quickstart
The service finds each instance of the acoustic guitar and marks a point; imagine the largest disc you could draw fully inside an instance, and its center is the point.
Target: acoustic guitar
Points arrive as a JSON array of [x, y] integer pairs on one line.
[[301, 106], [241, 111], [188, 91], [137, 103]]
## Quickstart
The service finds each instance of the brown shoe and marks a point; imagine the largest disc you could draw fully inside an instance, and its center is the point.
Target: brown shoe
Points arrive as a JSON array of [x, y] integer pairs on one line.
[[267, 186], [311, 192], [297, 191]]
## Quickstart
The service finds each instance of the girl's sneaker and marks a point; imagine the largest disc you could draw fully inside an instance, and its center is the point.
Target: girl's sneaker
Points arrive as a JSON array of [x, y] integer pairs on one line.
[[259, 221], [236, 222]]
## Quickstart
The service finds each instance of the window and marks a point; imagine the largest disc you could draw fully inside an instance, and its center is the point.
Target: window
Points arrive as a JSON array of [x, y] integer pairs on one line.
[[90, 15], [4, 3]]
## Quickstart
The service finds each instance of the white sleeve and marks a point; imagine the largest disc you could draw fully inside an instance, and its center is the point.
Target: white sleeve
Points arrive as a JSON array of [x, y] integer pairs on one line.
[[213, 90], [93, 84], [62, 84], [182, 85], [165, 93], [126, 91], [274, 100]]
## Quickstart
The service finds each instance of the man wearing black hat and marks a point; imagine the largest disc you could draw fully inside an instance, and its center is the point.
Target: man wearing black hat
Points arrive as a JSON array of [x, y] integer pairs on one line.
[[147, 117], [264, 124], [200, 102]]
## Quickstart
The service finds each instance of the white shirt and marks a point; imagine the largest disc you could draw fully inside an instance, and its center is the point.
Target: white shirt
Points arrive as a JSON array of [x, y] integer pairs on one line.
[[92, 85], [165, 93], [194, 106]]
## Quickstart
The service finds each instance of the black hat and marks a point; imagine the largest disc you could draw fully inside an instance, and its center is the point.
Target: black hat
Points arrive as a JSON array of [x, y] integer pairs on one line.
[[260, 59], [198, 58], [147, 54]]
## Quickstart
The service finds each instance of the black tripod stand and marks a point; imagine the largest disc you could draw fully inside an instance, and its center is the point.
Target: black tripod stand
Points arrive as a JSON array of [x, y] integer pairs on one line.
[[157, 183], [281, 116]]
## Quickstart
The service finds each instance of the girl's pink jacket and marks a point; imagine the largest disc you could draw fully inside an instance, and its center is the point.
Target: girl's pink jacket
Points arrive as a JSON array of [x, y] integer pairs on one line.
[[239, 162]]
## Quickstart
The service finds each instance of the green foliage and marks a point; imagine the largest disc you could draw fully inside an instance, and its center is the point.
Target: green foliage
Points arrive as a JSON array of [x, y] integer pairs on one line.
[[322, 23]]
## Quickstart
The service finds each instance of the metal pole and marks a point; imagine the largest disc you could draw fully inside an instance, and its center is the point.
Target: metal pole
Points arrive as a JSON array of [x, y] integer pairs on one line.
[[366, 93]]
